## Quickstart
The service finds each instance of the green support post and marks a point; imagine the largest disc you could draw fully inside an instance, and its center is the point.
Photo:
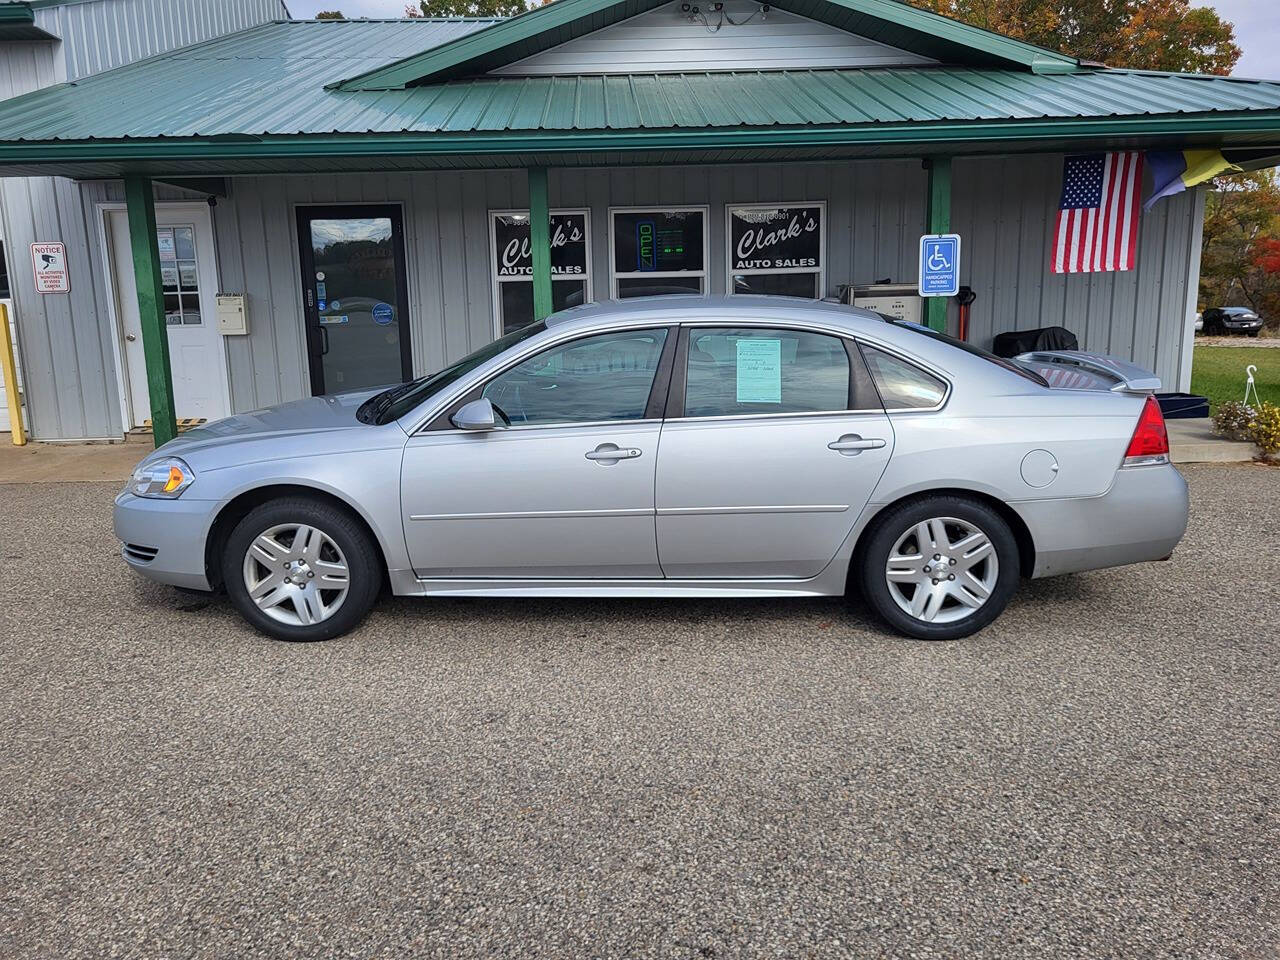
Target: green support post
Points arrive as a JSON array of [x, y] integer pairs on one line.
[[540, 242], [155, 335], [938, 220]]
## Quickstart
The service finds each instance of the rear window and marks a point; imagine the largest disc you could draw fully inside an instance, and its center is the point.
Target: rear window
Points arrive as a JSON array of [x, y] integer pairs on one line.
[[968, 348], [902, 385]]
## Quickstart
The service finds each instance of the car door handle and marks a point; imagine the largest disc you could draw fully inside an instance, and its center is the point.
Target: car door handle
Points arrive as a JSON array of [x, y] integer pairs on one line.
[[851, 444], [611, 453]]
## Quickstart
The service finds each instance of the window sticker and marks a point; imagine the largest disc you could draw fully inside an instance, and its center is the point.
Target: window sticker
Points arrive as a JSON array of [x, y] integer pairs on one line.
[[165, 243], [759, 371]]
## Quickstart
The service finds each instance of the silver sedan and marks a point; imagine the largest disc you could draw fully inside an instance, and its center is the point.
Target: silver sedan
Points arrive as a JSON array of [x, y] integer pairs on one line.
[[678, 447]]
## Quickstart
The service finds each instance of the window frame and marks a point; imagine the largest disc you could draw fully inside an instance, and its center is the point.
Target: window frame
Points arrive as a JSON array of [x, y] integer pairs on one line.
[[496, 281], [655, 406], [858, 371], [730, 273], [704, 274]]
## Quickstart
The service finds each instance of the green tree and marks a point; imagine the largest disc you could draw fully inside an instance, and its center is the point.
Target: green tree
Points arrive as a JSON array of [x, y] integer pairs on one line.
[[1139, 34], [467, 8], [330, 15], [1238, 262]]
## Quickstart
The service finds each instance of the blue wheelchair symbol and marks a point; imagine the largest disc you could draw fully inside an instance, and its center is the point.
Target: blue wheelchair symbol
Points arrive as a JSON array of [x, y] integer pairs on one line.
[[940, 265]]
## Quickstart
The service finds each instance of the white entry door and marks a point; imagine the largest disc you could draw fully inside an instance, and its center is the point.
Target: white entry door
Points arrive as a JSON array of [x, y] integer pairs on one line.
[[196, 353]]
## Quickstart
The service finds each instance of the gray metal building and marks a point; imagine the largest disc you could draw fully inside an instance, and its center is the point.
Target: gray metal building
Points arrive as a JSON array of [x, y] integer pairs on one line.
[[430, 143]]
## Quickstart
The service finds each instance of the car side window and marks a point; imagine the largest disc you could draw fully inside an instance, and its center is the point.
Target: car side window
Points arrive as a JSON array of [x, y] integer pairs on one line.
[[902, 385], [752, 370], [604, 377]]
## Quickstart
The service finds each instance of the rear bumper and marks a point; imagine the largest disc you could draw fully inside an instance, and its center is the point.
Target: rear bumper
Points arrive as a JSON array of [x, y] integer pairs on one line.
[[1142, 517], [164, 539]]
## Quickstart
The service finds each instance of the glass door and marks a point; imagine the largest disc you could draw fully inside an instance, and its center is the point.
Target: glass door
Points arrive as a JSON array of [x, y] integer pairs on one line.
[[356, 296]]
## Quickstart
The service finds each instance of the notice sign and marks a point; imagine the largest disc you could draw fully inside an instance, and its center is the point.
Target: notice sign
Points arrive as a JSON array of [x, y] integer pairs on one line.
[[514, 255], [759, 371], [49, 261], [775, 238]]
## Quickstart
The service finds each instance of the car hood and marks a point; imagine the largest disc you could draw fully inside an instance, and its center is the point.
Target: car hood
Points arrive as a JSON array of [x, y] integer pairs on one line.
[[333, 414]]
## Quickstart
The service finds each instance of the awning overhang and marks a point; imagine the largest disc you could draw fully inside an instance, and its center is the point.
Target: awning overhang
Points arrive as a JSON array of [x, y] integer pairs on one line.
[[1258, 133]]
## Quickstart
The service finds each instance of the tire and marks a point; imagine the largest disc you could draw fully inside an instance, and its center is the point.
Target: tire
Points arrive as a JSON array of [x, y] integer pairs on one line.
[[1254, 333], [961, 611], [289, 576]]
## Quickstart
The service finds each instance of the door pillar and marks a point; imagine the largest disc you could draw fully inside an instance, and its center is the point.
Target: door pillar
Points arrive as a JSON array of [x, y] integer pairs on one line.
[[938, 220], [540, 242], [155, 335]]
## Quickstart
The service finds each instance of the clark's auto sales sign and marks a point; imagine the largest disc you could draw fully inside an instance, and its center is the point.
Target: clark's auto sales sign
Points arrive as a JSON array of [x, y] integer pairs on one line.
[[514, 255], [775, 238]]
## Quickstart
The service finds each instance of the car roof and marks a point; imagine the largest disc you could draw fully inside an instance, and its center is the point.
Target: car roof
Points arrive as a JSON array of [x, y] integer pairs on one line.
[[697, 307]]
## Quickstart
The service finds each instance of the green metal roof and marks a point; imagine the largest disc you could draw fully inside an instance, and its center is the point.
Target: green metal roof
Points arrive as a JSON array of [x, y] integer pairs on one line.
[[886, 21], [264, 96]]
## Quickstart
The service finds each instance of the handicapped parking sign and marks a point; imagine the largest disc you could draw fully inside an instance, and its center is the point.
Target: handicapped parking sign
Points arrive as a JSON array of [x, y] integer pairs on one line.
[[940, 265]]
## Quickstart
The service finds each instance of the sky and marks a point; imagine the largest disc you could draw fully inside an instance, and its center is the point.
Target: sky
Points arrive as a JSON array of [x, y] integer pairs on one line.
[[1257, 26]]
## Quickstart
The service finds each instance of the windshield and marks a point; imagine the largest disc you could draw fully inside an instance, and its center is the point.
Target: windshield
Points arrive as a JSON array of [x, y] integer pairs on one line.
[[394, 403], [968, 348]]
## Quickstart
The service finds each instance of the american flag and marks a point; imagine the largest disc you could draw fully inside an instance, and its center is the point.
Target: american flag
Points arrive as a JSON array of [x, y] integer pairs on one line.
[[1097, 227]]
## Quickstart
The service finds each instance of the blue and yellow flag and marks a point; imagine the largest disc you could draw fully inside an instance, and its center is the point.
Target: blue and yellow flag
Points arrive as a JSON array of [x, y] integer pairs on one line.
[[1172, 171]]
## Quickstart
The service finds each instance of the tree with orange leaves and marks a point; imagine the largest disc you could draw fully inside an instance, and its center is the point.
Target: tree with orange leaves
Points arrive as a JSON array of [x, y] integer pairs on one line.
[[1139, 34]]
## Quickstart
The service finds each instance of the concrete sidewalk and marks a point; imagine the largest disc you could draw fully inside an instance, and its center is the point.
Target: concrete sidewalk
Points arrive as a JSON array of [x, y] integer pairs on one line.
[[1193, 441]]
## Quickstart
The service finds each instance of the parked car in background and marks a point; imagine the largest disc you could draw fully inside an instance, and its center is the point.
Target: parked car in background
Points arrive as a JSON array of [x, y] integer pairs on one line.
[[1218, 321], [674, 447]]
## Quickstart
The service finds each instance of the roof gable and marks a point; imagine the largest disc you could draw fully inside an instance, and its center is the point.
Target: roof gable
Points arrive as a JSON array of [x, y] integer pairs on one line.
[[668, 39], [885, 21]]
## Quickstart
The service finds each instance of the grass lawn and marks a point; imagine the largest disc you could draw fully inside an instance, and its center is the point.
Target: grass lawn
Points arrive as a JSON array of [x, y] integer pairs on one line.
[[1218, 372]]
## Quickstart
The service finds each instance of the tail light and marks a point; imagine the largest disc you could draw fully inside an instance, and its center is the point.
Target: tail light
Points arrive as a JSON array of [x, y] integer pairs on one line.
[[1150, 443]]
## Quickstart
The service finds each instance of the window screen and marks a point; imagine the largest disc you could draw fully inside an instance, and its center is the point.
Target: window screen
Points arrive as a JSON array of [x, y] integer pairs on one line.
[[748, 371], [606, 377], [902, 385]]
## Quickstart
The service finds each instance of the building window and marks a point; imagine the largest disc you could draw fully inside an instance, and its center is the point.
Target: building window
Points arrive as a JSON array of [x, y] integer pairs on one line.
[[513, 264], [658, 251], [4, 275], [179, 276], [777, 250]]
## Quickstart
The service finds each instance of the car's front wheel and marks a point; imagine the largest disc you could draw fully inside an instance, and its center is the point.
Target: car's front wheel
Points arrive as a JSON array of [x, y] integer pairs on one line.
[[940, 567], [301, 569]]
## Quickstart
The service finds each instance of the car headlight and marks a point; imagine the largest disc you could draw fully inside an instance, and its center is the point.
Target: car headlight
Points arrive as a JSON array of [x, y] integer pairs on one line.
[[165, 478]]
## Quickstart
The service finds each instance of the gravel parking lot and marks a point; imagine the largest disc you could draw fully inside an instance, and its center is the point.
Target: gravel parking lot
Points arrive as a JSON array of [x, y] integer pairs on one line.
[[1095, 775]]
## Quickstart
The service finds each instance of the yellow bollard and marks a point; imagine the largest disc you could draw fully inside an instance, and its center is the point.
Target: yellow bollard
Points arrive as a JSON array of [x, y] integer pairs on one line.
[[10, 370]]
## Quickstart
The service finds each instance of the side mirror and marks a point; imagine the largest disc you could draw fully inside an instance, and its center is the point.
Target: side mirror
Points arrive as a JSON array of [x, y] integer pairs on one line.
[[476, 415]]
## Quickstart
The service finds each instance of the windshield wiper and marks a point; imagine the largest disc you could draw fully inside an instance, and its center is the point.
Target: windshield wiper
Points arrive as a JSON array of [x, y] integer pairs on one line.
[[371, 410]]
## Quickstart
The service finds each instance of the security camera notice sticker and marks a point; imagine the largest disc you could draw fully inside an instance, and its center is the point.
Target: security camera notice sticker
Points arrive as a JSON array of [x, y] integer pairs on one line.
[[49, 261], [759, 371]]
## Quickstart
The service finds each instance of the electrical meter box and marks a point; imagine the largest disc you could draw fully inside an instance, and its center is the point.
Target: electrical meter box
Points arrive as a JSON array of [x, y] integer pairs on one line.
[[232, 321], [892, 299]]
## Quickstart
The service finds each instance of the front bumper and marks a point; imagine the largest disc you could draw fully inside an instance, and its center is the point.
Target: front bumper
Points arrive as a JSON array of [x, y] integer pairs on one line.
[[1142, 517], [164, 539], [1242, 326]]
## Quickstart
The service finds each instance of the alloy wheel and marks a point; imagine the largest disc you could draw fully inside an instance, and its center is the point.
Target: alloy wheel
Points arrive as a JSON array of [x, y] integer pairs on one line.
[[942, 570], [296, 574]]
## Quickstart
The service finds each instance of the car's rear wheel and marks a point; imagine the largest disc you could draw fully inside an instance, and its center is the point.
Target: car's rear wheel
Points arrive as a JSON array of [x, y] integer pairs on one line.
[[940, 567], [301, 569]]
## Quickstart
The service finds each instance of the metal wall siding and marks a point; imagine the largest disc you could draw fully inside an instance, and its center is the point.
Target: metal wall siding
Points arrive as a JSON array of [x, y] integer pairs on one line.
[[661, 39], [65, 340], [875, 213], [101, 35], [1005, 210]]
